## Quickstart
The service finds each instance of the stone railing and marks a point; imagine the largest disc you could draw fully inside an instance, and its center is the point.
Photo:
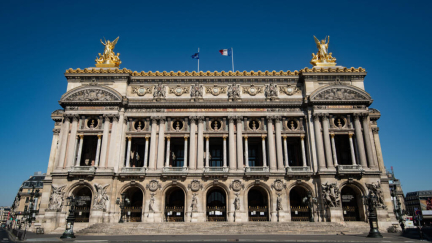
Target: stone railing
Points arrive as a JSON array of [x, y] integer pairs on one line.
[[175, 169], [133, 170], [350, 168], [257, 169], [216, 169], [82, 169], [294, 169]]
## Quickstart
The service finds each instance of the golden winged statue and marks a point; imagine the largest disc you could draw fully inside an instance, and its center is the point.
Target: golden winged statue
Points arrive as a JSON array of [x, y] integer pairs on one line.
[[108, 58], [323, 58]]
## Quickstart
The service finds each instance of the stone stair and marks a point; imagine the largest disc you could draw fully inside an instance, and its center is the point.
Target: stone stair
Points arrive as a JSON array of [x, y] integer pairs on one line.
[[77, 227], [225, 228]]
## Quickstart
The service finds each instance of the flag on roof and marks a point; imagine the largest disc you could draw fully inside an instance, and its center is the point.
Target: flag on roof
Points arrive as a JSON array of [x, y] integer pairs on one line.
[[195, 56], [225, 52]]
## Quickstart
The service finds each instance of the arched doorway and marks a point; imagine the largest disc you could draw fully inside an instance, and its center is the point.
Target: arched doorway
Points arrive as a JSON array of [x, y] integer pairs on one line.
[[258, 204], [352, 206], [216, 205], [300, 210], [133, 210], [174, 205], [83, 198]]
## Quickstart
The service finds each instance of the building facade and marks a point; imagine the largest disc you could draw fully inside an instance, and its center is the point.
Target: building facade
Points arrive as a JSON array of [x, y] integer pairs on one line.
[[4, 213], [421, 201], [215, 146]]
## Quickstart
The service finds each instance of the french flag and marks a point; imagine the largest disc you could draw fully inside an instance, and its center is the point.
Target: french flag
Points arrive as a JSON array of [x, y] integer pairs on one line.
[[226, 52]]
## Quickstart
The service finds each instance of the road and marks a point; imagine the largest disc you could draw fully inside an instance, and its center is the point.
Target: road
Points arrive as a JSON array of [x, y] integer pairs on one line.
[[4, 236]]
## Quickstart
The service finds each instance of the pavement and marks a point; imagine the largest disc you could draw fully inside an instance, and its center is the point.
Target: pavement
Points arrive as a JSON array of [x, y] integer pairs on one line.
[[411, 235]]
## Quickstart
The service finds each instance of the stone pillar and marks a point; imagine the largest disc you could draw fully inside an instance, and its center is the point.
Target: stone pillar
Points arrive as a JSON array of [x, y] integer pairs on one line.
[[303, 150], [146, 151], [105, 135], [359, 138], [334, 149], [192, 149], [128, 151], [239, 143], [353, 159], [185, 158], [224, 151], [378, 149], [271, 144], [368, 142], [153, 145], [64, 140], [285, 150], [78, 161], [200, 154], [232, 148], [263, 137], [53, 151], [278, 128], [327, 145], [168, 151], [161, 145], [72, 144], [113, 143], [120, 144], [319, 142], [98, 150], [246, 151], [207, 155]]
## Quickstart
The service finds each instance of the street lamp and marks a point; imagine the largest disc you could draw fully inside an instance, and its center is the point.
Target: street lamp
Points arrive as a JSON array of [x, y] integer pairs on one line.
[[122, 203], [310, 201], [30, 213], [68, 234], [371, 201]]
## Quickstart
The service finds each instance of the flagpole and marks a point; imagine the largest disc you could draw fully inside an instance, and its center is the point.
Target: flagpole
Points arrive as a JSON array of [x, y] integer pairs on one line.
[[198, 59], [232, 58]]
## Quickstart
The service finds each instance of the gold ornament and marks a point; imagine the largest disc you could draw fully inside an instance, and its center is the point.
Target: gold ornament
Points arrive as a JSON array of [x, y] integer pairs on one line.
[[323, 58], [109, 58]]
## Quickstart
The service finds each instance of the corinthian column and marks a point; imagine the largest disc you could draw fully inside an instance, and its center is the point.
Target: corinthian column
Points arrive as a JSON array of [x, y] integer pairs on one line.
[[78, 161], [168, 148], [334, 148], [161, 145], [106, 125], [319, 142], [246, 151], [146, 152], [153, 145], [128, 151], [200, 154], [72, 142], [285, 150], [185, 153], [232, 148], [207, 156], [64, 140], [224, 152], [264, 154], [239, 143], [359, 137], [368, 142], [327, 145], [278, 127], [98, 150], [353, 159], [192, 143], [271, 144], [303, 150], [378, 149]]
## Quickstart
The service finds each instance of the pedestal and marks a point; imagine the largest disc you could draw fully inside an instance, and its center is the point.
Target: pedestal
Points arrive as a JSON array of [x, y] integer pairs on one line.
[[52, 221], [335, 214], [96, 216]]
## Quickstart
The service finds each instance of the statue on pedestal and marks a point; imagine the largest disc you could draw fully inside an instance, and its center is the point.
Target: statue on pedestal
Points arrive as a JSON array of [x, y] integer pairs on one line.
[[323, 58]]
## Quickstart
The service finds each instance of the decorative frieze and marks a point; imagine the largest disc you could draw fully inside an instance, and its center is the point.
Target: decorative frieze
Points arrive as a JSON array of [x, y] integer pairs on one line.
[[216, 90], [252, 90], [289, 89], [178, 90], [141, 91]]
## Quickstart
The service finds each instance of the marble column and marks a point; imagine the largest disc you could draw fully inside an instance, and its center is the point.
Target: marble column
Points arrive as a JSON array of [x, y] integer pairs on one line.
[[121, 145], [246, 150], [240, 164], [327, 144], [53, 151], [285, 150], [378, 149], [271, 144], [368, 142], [72, 142], [224, 151], [168, 151], [334, 149], [153, 145], [64, 141], [98, 150], [128, 151], [146, 151], [192, 149], [319, 142], [278, 128], [200, 152], [303, 150], [353, 156], [232, 148], [207, 155], [161, 145], [113, 142], [78, 161], [360, 142], [105, 135], [263, 138], [185, 153]]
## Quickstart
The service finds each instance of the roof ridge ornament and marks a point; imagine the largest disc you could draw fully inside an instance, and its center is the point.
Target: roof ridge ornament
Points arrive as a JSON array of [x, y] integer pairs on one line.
[[323, 58], [109, 58]]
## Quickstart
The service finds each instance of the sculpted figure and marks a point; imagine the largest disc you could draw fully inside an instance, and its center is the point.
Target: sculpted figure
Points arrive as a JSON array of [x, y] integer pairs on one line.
[[16, 203], [56, 198], [159, 91], [233, 91], [101, 196], [109, 56], [196, 91], [279, 203], [323, 56], [331, 194], [194, 203], [237, 203], [375, 189], [151, 204], [271, 91]]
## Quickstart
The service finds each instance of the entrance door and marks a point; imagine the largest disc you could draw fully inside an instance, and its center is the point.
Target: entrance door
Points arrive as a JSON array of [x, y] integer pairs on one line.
[[258, 205], [216, 205], [300, 211], [174, 205], [82, 209], [133, 211], [350, 206]]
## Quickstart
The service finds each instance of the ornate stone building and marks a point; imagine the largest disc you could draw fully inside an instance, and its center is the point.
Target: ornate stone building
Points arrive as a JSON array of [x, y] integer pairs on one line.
[[215, 146]]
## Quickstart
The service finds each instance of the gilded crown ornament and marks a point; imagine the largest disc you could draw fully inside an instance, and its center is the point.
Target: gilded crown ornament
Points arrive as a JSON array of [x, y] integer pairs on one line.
[[108, 58], [323, 58]]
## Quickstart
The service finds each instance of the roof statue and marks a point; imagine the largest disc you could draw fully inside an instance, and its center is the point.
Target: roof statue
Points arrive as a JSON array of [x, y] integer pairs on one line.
[[323, 58], [108, 58]]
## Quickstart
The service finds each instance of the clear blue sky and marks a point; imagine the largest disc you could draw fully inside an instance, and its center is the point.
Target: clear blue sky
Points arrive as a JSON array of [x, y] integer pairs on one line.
[[41, 39]]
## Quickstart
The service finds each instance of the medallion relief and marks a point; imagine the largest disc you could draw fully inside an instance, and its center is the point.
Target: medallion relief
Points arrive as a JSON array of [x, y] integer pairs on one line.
[[178, 90], [289, 90], [252, 90], [195, 186], [153, 185], [236, 185], [216, 90], [141, 91], [279, 185]]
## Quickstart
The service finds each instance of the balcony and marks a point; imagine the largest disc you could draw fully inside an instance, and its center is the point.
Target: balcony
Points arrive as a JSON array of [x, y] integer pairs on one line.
[[257, 169], [303, 171], [175, 170], [216, 170], [350, 169], [138, 172], [86, 171]]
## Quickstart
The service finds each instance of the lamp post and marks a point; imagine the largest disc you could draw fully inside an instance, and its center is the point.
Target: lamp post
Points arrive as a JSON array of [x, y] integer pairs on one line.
[[30, 213], [371, 201], [68, 233], [310, 201], [122, 203]]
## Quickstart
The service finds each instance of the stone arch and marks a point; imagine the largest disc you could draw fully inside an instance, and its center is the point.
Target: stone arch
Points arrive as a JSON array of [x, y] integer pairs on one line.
[[353, 210], [297, 188], [126, 186], [262, 187], [336, 93], [301, 184], [91, 94], [170, 188], [212, 186], [78, 185], [82, 212]]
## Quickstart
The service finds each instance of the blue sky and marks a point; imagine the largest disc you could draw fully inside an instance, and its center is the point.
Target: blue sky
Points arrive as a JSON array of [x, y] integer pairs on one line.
[[41, 39]]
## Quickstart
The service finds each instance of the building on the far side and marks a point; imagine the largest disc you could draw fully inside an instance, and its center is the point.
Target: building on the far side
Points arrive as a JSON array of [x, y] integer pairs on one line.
[[22, 201], [419, 200], [396, 191], [4, 212]]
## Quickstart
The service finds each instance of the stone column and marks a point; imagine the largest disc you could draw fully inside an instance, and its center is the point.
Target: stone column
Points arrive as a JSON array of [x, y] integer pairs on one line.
[[303, 150], [368, 142], [53, 151], [118, 162], [185, 153], [224, 151], [64, 140], [278, 128], [105, 135], [72, 144], [146, 151], [232, 148], [334, 149], [78, 161], [153, 145], [113, 143], [128, 151], [207, 155], [359, 138], [327, 145], [239, 143], [192, 149], [168, 150], [353, 157], [319, 142], [246, 151], [161, 145], [263, 137], [271, 144], [200, 153], [378, 149], [285, 150], [98, 150]]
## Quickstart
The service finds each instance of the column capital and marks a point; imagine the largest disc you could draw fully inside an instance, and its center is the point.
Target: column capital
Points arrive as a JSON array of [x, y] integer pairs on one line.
[[75, 117], [269, 118], [67, 117], [350, 135], [200, 118], [263, 136], [207, 137], [239, 118], [162, 119], [358, 115], [302, 137], [106, 117], [147, 137], [332, 134], [193, 118], [277, 118], [317, 115], [168, 137], [81, 136], [325, 116], [99, 136], [284, 136], [245, 137], [129, 138], [56, 130], [115, 117], [375, 130], [224, 137], [231, 118], [186, 137]]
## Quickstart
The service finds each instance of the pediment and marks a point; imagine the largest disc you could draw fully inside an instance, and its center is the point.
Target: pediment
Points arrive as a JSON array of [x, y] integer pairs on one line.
[[339, 93], [91, 94]]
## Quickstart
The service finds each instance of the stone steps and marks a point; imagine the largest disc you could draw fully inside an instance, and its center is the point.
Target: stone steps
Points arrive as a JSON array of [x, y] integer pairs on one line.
[[225, 228], [77, 227]]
